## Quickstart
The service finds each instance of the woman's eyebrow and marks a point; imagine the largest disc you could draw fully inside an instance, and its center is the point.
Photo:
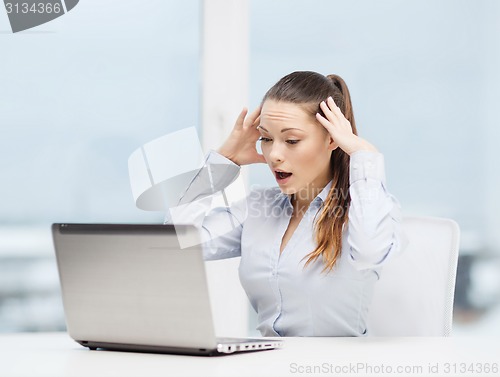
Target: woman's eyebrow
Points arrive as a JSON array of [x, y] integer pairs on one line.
[[283, 130]]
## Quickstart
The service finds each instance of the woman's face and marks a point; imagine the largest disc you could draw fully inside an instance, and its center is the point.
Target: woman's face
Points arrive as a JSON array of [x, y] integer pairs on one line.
[[296, 144]]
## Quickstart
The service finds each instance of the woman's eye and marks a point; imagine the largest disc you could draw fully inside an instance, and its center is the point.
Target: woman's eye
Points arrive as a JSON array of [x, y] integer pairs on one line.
[[266, 139]]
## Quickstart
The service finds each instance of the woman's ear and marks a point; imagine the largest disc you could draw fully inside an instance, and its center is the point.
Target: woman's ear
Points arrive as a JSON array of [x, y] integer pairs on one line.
[[332, 145]]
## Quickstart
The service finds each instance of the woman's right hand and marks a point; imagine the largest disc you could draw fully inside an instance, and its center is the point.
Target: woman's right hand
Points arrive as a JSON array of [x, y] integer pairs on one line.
[[240, 145]]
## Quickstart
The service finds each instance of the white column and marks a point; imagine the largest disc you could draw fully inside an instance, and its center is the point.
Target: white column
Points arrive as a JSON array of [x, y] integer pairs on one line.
[[224, 90]]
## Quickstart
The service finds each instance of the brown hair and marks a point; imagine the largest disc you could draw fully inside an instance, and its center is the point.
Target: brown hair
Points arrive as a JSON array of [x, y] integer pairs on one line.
[[308, 89]]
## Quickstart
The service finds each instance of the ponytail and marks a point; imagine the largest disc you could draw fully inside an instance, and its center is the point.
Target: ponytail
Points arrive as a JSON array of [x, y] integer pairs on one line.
[[335, 212]]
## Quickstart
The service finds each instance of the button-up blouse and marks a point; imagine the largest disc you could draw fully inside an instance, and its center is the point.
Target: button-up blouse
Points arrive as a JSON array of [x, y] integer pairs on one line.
[[291, 300]]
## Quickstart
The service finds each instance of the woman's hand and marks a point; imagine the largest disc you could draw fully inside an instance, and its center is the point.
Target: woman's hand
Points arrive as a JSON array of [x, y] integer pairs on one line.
[[240, 145], [340, 129]]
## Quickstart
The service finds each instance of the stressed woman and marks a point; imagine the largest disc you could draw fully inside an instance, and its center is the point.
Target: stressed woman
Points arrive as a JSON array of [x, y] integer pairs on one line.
[[312, 248]]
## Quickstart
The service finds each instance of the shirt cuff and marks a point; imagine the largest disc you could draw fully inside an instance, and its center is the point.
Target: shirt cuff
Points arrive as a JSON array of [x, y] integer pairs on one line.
[[217, 173], [223, 171], [367, 165], [217, 158]]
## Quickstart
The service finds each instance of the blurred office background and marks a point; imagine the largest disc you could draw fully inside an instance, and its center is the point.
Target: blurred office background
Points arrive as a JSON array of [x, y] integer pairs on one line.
[[78, 95]]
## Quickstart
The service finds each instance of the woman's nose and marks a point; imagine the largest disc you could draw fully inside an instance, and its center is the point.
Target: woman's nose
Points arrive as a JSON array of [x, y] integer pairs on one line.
[[276, 153]]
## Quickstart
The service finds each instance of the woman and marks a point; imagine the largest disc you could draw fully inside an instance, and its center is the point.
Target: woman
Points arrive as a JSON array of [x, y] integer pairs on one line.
[[311, 249]]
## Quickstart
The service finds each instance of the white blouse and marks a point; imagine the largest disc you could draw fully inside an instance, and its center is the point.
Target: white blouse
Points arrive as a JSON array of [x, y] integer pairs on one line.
[[291, 300]]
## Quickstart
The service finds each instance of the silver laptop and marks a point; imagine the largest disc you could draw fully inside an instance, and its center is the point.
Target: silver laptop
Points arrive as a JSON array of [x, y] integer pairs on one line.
[[131, 287]]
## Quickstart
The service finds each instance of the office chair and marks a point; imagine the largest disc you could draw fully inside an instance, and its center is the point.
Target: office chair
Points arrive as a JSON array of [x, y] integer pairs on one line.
[[414, 296]]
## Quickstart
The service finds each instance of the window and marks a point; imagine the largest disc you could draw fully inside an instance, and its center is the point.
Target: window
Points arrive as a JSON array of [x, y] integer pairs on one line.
[[77, 96]]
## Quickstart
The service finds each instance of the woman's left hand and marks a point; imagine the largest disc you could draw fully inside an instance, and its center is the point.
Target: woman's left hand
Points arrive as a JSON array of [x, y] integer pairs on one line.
[[340, 129]]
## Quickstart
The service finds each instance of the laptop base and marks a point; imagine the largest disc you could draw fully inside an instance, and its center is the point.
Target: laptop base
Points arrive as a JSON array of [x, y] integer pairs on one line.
[[236, 348]]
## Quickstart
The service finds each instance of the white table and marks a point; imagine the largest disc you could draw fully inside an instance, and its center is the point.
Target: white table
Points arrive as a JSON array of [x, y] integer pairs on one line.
[[55, 354]]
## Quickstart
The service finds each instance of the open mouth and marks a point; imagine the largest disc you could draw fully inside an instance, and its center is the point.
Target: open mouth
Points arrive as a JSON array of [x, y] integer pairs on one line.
[[281, 175]]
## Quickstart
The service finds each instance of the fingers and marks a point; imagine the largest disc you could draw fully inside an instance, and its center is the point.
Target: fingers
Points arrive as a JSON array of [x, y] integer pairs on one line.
[[325, 122], [257, 121], [334, 108], [251, 119], [330, 116], [241, 118], [334, 114]]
